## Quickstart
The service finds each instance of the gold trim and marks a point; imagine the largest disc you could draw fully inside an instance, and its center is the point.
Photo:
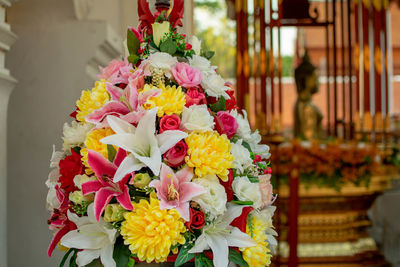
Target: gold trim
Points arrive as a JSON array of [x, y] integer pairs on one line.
[[366, 58], [356, 56], [378, 60], [263, 64], [379, 122], [367, 121]]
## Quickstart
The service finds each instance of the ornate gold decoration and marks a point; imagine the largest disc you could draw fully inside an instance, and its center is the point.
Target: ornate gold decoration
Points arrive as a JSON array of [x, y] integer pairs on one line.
[[366, 58], [378, 60], [379, 124], [356, 56], [263, 64], [367, 122]]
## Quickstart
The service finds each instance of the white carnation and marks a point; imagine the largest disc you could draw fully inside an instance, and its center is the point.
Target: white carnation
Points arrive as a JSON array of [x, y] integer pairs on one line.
[[214, 85], [242, 156], [163, 61], [247, 191], [253, 139], [197, 118], [202, 64], [75, 134], [214, 200]]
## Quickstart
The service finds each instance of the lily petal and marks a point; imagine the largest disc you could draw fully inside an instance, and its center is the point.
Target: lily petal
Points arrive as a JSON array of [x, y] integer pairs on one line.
[[124, 199], [102, 198], [153, 162], [185, 174], [232, 213], [100, 165], [110, 108], [189, 190], [219, 247], [169, 138], [239, 239], [128, 165], [114, 91], [91, 187], [120, 126], [106, 256], [87, 256], [200, 244]]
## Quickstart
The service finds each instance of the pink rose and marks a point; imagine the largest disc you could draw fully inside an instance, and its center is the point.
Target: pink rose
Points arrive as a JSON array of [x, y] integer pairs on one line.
[[194, 97], [185, 75], [175, 156], [170, 122], [225, 123], [265, 189]]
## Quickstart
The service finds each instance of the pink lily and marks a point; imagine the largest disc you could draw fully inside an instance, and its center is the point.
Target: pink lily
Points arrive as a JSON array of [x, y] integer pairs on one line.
[[105, 189], [175, 190], [117, 71], [124, 102], [59, 220]]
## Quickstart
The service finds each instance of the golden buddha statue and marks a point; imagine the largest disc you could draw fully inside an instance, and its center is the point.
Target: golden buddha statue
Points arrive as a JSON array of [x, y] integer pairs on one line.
[[307, 116]]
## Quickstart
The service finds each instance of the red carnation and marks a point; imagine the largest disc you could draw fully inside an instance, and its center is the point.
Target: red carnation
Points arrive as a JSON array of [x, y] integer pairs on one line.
[[196, 219], [228, 186], [70, 166]]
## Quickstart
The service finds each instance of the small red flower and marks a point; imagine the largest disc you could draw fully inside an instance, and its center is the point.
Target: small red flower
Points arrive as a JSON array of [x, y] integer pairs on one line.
[[188, 46], [257, 158], [196, 220]]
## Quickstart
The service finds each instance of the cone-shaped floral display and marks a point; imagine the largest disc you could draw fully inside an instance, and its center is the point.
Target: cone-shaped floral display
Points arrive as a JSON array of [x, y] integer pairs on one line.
[[159, 164]]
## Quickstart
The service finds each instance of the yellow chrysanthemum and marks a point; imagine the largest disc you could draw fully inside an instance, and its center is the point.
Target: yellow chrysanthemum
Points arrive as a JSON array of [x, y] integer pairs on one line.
[[170, 101], [209, 153], [92, 100], [92, 142], [259, 255], [151, 232]]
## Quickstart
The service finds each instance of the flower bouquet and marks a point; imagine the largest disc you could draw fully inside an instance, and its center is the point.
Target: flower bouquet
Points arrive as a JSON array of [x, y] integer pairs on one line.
[[158, 164]]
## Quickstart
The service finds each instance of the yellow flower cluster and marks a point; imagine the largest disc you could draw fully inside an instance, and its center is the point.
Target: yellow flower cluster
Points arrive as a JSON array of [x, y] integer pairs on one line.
[[92, 100], [151, 232], [209, 153], [259, 255], [92, 142], [170, 101]]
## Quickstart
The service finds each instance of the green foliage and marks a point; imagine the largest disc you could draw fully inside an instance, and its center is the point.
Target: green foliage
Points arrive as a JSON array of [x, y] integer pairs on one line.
[[184, 256], [237, 258], [111, 152], [121, 254], [201, 260], [219, 106], [242, 202], [168, 46], [80, 209], [212, 5], [65, 258], [133, 44]]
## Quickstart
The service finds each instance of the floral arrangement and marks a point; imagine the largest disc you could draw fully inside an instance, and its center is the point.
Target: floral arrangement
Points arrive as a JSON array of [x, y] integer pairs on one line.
[[329, 164], [159, 165]]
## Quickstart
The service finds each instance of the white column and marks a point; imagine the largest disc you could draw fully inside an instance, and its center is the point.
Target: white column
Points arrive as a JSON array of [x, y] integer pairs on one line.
[[7, 84]]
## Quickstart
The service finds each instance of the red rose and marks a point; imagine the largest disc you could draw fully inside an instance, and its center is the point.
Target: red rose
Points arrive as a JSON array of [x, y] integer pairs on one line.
[[188, 46], [70, 166], [228, 186], [194, 97], [240, 222], [225, 123], [175, 156], [196, 219], [170, 122]]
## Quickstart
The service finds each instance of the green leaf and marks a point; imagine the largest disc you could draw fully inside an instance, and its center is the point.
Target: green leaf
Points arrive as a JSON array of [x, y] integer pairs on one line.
[[168, 46], [133, 59], [237, 258], [208, 54], [133, 43], [219, 106], [242, 202], [64, 259], [131, 262], [253, 179], [184, 256], [121, 254], [201, 260], [246, 145], [111, 153]]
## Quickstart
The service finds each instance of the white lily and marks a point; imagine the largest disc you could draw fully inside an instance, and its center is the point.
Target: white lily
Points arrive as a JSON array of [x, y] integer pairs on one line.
[[144, 145], [95, 238], [219, 235]]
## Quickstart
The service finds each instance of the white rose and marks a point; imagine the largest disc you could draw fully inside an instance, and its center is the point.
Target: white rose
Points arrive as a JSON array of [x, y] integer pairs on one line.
[[196, 45], [197, 118], [159, 31], [214, 200], [75, 134], [163, 61], [247, 191], [243, 130], [202, 64], [214, 85], [242, 156]]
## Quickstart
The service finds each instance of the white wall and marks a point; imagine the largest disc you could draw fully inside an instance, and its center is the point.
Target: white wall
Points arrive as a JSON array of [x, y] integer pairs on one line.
[[59, 43]]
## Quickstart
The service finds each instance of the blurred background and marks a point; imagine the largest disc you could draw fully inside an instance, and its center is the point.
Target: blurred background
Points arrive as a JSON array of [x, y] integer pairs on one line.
[[337, 182]]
